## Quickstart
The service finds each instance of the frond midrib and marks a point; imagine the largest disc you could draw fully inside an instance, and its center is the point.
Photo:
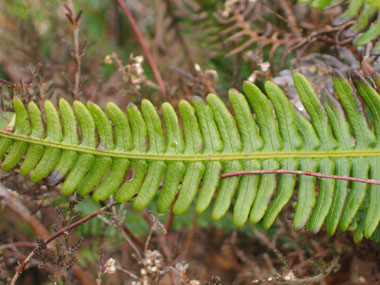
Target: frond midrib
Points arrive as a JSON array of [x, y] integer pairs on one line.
[[299, 154]]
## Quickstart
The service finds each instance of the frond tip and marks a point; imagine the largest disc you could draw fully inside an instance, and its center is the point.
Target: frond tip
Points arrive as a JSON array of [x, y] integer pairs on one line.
[[91, 151]]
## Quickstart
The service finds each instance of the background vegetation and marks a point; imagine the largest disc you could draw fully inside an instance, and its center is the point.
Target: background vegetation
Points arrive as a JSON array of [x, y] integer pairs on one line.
[[88, 50]]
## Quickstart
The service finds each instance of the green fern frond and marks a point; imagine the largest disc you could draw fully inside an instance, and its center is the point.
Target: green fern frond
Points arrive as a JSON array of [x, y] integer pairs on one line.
[[364, 12], [91, 151]]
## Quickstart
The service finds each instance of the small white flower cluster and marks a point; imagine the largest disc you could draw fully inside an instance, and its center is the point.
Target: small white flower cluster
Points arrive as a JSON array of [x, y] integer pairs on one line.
[[152, 262], [135, 69], [153, 267], [108, 59], [110, 266], [290, 276], [133, 72], [181, 268], [209, 75], [264, 66]]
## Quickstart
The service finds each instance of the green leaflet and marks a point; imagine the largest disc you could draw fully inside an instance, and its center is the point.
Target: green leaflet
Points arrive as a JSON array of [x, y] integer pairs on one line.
[[251, 140], [155, 169], [194, 170], [51, 155], [370, 34], [319, 3], [306, 186], [272, 142], [84, 161], [341, 130], [34, 152], [180, 157], [175, 170], [139, 144], [320, 122], [123, 142], [232, 144], [70, 135], [291, 141], [211, 144], [372, 100], [22, 127], [353, 8]]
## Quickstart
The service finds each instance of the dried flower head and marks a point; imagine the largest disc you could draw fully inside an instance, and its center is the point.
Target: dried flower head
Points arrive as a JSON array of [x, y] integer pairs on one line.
[[264, 66], [252, 77], [108, 59], [110, 266], [139, 59]]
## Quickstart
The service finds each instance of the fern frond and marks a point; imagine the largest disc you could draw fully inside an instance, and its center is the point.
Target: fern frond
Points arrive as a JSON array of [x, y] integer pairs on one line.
[[91, 151], [247, 30], [363, 11]]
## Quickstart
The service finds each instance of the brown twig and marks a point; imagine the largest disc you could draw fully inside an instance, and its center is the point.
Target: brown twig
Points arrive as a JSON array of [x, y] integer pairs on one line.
[[74, 20], [78, 63], [132, 245], [81, 221], [299, 172], [148, 238], [119, 225], [144, 47], [57, 234], [18, 244], [133, 237], [128, 272], [316, 34], [292, 19]]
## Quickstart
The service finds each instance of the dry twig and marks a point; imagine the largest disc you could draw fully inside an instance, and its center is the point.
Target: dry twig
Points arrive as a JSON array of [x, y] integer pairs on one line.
[[20, 209]]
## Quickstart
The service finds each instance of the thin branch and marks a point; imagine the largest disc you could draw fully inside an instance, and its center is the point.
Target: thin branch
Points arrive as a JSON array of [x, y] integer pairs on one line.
[[299, 172], [78, 63], [77, 49], [18, 244], [144, 47], [292, 19], [119, 225], [316, 34], [133, 237], [147, 241], [57, 234], [81, 221], [131, 244], [128, 272], [21, 268]]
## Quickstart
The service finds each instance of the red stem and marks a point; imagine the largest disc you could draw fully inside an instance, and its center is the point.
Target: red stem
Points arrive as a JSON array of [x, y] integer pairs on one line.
[[143, 46], [299, 172]]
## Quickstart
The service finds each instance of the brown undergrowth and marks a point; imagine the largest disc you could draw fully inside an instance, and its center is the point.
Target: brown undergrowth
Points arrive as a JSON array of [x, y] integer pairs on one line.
[[169, 50]]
